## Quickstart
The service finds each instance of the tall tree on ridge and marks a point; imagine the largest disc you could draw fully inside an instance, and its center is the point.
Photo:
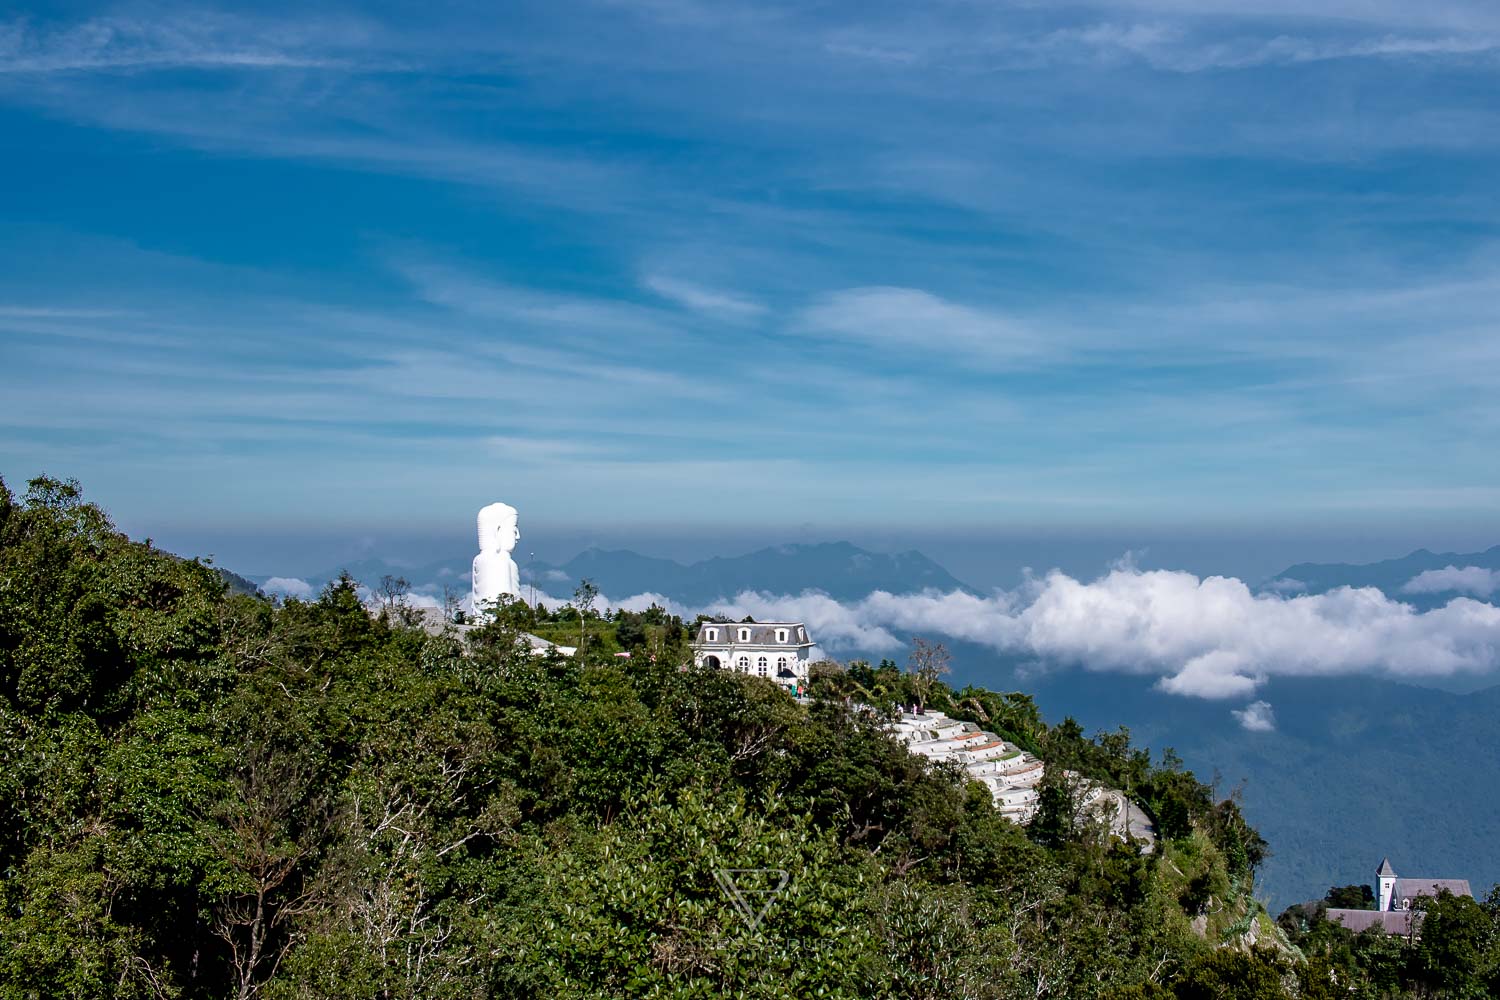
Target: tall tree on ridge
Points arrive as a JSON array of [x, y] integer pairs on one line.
[[584, 598], [928, 664]]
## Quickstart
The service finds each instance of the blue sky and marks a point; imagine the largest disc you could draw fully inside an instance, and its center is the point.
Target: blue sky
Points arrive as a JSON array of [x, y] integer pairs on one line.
[[1166, 266]]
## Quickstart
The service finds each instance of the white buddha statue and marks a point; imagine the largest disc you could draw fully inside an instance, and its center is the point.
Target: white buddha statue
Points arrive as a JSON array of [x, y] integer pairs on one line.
[[496, 577]]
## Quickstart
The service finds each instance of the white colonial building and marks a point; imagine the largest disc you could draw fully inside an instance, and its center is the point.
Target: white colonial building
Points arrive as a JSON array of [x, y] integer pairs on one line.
[[778, 651]]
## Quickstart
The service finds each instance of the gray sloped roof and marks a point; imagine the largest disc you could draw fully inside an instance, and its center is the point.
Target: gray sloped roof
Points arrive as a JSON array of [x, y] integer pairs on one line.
[[1385, 868], [1406, 887], [761, 633], [1390, 921]]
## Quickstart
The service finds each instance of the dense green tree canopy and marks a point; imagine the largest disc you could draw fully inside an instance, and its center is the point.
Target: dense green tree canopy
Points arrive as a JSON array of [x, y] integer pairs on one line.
[[204, 794]]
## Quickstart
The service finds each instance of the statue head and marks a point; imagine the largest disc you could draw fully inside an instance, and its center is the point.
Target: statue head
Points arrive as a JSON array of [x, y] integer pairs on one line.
[[498, 528]]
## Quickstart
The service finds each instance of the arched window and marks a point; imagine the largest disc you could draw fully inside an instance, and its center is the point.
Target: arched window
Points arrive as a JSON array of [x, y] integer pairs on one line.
[[745, 663], [781, 664], [712, 635], [802, 635], [711, 662], [744, 635], [760, 666]]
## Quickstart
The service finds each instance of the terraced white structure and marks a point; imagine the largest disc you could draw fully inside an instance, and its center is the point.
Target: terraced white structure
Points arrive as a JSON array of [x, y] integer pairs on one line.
[[1010, 773]]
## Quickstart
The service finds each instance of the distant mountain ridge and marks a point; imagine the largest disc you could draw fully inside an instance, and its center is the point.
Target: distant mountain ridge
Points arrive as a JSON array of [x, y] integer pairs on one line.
[[1389, 576], [842, 570]]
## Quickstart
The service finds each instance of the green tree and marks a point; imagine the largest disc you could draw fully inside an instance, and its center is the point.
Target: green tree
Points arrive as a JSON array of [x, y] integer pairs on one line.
[[583, 599], [1223, 974], [206, 794], [1351, 897], [1453, 955]]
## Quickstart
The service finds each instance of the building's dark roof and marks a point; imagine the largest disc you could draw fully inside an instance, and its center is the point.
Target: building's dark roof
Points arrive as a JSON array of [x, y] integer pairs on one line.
[[761, 633], [1385, 868], [1407, 888], [1390, 921]]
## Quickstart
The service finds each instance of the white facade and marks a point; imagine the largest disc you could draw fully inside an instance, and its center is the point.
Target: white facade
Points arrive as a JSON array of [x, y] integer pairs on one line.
[[777, 651]]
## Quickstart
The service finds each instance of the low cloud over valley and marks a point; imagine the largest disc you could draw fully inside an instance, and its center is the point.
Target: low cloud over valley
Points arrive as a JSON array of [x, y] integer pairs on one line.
[[1209, 637]]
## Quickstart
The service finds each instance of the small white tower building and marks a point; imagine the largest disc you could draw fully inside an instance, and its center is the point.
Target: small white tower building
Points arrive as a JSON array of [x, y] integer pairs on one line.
[[1387, 876]]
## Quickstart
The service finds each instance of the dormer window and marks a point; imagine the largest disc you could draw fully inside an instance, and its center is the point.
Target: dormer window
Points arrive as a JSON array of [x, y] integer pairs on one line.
[[744, 635], [801, 635], [712, 635], [781, 635]]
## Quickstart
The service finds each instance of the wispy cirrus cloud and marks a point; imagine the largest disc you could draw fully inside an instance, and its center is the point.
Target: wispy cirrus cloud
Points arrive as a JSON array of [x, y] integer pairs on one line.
[[323, 89], [204, 40], [55, 312], [1155, 258], [463, 292], [1174, 45], [1440, 15], [1176, 49], [911, 320], [700, 298]]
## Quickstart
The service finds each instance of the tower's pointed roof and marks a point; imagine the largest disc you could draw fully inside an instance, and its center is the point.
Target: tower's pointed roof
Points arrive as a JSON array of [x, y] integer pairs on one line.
[[1385, 870]]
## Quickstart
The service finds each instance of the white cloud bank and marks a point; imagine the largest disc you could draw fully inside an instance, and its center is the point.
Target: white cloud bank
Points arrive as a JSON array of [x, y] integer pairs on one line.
[[1209, 638], [288, 586], [1474, 580], [291, 586], [1256, 717]]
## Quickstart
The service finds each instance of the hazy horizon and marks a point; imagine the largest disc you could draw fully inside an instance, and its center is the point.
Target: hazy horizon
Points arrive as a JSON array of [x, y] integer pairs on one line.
[[981, 559]]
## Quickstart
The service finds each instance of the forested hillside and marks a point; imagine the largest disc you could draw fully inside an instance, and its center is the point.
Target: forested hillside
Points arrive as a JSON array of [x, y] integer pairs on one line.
[[1331, 785], [205, 794]]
